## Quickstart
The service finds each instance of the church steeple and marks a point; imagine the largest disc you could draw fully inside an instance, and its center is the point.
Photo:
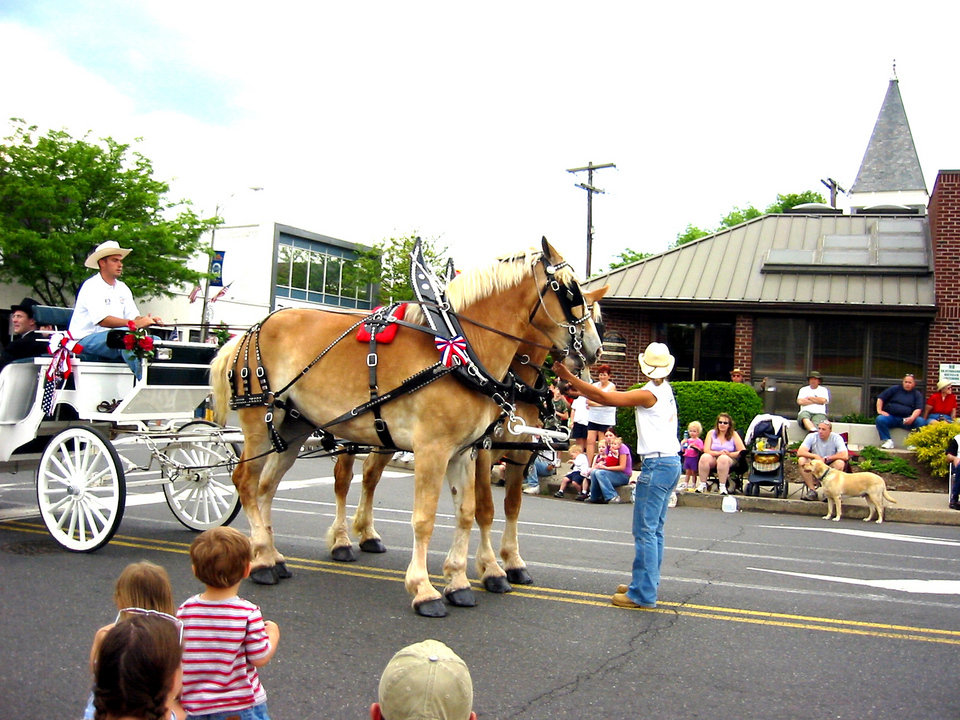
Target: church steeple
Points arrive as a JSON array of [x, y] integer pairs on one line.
[[890, 172]]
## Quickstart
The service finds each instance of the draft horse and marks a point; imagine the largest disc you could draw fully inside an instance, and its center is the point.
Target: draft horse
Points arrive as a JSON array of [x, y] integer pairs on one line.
[[526, 366], [321, 376]]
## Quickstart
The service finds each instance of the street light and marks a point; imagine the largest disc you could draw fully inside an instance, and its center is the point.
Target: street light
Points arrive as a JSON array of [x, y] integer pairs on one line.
[[204, 322]]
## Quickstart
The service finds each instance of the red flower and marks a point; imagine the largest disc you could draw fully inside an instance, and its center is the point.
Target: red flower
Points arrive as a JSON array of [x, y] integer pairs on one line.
[[129, 341], [146, 343], [131, 324]]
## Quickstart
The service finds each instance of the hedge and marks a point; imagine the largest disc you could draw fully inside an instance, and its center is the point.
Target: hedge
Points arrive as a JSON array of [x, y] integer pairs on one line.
[[703, 401]]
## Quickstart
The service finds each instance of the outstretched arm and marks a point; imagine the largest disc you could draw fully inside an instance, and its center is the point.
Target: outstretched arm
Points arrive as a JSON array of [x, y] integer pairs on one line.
[[616, 398]]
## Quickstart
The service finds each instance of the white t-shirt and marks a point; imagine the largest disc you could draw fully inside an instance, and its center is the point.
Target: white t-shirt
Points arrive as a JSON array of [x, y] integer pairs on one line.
[[602, 414], [814, 408], [657, 425], [580, 410], [95, 301], [581, 464]]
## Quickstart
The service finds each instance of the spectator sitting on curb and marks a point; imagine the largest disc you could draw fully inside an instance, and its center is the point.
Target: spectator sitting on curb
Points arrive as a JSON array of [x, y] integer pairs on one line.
[[812, 400], [826, 446], [544, 465], [942, 405], [899, 406]]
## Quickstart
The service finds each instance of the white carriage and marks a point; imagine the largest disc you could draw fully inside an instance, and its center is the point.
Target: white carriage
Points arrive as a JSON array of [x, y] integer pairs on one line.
[[101, 414]]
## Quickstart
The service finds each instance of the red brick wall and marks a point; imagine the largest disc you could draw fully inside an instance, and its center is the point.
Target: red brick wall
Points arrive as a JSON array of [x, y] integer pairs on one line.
[[944, 214], [635, 329], [743, 346]]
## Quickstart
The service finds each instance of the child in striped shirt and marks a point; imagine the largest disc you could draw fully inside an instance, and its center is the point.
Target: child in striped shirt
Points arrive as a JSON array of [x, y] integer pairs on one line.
[[225, 638]]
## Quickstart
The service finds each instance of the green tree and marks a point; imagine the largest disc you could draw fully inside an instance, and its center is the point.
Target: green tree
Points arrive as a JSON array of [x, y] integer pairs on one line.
[[625, 257], [60, 197], [785, 202], [691, 233], [387, 264]]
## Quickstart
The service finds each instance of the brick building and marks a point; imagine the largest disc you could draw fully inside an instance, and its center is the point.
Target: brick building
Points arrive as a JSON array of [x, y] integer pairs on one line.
[[862, 296]]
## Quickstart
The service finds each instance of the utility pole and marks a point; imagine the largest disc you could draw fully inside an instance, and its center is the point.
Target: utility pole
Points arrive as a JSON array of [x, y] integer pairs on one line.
[[834, 187], [589, 187]]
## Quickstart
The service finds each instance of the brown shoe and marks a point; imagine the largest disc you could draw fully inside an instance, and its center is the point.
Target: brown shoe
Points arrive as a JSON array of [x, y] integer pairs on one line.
[[622, 588]]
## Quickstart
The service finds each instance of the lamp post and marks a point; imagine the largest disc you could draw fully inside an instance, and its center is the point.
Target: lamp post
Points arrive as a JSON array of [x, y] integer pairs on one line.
[[204, 322]]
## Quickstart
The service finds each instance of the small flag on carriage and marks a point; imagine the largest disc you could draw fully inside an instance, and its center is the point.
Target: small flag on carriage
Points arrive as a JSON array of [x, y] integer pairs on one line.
[[62, 346], [223, 291], [453, 351], [194, 293]]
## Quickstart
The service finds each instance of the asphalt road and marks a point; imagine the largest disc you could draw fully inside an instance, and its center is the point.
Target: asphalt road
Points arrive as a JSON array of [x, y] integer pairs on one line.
[[761, 616]]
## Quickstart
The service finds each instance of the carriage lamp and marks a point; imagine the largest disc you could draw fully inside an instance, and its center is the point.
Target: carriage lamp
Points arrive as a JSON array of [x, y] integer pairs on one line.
[[164, 353]]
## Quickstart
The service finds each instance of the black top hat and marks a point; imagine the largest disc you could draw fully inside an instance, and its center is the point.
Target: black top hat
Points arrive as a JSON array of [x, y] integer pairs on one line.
[[26, 305]]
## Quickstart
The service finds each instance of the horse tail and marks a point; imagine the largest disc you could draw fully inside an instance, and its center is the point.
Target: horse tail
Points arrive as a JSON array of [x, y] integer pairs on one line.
[[219, 382]]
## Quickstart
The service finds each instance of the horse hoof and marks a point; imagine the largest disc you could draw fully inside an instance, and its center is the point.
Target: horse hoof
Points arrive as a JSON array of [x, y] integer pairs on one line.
[[463, 597], [519, 576], [265, 575], [373, 545], [431, 608], [282, 572], [497, 584], [343, 553]]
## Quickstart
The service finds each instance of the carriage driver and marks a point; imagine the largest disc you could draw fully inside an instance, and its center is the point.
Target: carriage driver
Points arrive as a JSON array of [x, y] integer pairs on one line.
[[105, 303]]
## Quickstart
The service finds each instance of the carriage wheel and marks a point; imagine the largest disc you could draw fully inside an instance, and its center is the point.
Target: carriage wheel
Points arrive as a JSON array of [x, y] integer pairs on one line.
[[202, 496], [81, 489]]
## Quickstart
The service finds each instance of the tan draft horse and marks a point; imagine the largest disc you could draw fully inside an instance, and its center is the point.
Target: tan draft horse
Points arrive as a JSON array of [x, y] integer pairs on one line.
[[440, 422], [526, 366]]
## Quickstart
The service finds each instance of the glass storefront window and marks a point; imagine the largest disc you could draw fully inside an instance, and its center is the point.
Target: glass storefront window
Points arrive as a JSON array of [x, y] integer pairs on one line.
[[838, 347], [779, 347], [898, 348]]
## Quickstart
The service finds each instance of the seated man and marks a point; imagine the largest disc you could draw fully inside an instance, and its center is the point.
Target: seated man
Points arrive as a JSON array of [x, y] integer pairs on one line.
[[899, 406], [104, 303], [26, 342], [826, 446], [544, 465], [812, 400]]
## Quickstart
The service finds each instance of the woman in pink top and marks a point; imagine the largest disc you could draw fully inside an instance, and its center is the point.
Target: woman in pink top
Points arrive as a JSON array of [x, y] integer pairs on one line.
[[721, 449]]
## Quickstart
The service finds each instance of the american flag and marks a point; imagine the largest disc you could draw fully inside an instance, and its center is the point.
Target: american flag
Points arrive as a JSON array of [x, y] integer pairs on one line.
[[223, 291]]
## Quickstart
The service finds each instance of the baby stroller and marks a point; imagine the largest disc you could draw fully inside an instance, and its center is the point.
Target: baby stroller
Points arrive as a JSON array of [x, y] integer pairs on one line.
[[766, 441]]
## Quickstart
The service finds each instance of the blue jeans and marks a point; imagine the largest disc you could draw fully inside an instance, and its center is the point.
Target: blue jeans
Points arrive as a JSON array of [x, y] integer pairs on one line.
[[537, 470], [605, 483], [934, 417], [658, 478], [257, 712], [95, 349], [885, 423]]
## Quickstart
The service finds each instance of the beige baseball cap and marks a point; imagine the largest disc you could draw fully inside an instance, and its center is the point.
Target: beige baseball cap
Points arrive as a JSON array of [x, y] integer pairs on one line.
[[426, 681]]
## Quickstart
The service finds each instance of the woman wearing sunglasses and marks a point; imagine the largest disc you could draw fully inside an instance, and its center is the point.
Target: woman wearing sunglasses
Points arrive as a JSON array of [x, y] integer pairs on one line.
[[721, 450]]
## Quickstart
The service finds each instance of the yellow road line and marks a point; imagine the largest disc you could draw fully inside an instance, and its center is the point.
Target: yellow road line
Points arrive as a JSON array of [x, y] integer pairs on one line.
[[578, 597]]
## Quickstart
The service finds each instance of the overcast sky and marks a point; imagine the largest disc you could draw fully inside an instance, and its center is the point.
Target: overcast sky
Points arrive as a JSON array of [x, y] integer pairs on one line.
[[365, 120]]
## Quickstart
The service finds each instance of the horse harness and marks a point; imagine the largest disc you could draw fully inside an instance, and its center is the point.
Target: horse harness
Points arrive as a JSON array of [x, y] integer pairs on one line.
[[445, 325]]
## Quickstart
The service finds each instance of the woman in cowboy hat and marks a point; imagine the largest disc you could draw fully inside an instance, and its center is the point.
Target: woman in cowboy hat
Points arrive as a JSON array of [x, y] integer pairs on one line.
[[942, 405], [659, 450], [104, 303]]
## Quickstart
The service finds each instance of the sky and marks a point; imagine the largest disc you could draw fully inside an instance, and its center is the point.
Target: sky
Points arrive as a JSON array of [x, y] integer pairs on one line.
[[458, 121]]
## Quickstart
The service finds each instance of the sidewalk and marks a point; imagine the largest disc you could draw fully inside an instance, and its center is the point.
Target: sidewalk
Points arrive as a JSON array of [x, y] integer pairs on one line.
[[911, 507]]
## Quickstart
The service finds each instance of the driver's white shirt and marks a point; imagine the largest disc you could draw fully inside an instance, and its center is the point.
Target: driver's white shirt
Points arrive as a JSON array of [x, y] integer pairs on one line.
[[96, 300]]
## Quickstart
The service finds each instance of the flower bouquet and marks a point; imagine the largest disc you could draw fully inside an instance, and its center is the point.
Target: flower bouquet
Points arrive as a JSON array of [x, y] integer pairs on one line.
[[138, 342]]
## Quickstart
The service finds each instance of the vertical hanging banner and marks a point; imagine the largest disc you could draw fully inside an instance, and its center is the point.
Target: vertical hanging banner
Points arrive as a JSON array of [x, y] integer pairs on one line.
[[216, 267]]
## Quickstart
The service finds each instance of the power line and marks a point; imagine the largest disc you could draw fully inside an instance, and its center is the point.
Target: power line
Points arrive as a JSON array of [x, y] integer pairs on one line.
[[591, 191]]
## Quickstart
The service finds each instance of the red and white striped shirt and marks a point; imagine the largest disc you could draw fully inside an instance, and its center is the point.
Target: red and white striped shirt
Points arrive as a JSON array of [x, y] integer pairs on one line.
[[220, 638]]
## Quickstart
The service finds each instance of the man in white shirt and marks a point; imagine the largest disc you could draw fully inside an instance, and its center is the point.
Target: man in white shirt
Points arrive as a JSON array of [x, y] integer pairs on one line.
[[105, 303], [812, 400]]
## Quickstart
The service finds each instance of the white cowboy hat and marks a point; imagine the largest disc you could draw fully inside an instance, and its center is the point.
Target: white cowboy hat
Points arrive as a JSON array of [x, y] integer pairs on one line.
[[943, 384], [656, 361], [105, 249]]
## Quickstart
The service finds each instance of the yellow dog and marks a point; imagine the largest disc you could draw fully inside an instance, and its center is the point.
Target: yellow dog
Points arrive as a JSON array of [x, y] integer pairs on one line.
[[835, 483]]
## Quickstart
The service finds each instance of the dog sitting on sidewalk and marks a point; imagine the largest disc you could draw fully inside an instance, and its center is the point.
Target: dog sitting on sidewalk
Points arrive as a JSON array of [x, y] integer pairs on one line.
[[836, 483]]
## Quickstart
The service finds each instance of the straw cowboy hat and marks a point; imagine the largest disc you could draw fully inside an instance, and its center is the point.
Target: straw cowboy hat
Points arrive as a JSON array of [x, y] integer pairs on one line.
[[656, 361], [105, 249], [944, 384]]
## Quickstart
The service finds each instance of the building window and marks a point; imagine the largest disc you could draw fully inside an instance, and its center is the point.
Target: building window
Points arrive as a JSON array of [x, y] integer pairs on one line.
[[839, 347], [320, 273], [780, 346]]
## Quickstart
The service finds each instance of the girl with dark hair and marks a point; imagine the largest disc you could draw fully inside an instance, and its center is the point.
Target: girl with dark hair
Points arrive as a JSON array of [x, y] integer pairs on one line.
[[138, 669], [721, 450]]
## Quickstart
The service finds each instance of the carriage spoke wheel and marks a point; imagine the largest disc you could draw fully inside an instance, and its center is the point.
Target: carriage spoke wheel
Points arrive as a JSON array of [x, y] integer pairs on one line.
[[199, 487], [81, 489]]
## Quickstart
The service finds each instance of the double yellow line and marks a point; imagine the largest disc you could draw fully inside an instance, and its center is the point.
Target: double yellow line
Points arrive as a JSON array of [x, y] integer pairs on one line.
[[709, 612]]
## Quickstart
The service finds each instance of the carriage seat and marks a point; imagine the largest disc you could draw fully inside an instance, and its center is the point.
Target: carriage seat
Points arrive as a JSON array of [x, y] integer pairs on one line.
[[58, 317]]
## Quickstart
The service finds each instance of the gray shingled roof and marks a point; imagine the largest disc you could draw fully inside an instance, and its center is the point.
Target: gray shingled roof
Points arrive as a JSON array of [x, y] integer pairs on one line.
[[834, 263], [890, 163]]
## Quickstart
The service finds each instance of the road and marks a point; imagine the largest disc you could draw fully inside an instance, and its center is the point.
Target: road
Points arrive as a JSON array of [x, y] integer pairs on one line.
[[761, 616]]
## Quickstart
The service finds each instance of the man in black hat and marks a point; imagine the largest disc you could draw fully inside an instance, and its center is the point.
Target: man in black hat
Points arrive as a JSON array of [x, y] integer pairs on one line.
[[26, 342], [812, 399]]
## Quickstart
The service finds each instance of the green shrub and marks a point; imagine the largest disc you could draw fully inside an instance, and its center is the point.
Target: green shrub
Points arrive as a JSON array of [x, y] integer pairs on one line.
[[873, 459], [858, 419], [703, 401], [931, 443]]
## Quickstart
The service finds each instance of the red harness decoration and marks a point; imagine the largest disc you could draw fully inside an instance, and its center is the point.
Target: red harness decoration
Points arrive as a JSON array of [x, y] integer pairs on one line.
[[389, 331], [62, 346]]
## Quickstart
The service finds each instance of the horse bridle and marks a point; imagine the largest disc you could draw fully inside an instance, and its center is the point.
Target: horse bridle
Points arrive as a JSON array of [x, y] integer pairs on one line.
[[568, 297]]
